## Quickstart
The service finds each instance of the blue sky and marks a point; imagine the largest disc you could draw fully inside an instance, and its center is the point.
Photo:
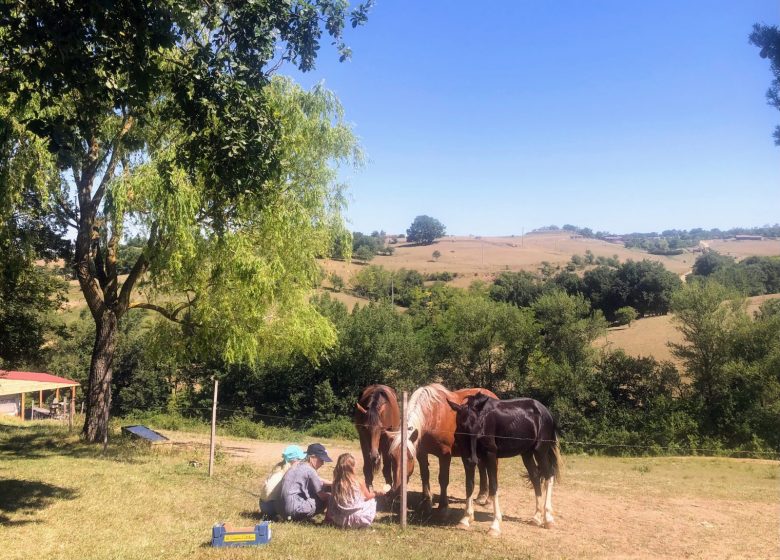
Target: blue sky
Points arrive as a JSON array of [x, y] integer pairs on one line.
[[497, 118]]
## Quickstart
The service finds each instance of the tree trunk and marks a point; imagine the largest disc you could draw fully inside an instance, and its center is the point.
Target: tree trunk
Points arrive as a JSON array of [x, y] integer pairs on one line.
[[99, 389]]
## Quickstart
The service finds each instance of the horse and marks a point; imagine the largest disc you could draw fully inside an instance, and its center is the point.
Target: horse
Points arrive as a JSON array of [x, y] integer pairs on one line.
[[376, 413], [432, 431], [489, 429]]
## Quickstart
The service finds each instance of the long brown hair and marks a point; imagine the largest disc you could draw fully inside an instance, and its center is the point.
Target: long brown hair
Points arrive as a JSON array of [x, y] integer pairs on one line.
[[344, 480]]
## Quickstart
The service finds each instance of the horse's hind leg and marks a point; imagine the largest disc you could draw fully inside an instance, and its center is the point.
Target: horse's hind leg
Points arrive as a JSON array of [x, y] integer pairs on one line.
[[492, 468], [535, 478], [482, 497], [548, 474], [444, 480]]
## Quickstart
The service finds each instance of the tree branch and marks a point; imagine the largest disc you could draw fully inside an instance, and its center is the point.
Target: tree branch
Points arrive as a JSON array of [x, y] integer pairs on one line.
[[167, 313], [138, 270], [112, 162]]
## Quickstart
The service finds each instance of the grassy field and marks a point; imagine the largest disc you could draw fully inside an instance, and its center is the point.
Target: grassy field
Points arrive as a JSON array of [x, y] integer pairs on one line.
[[62, 499]]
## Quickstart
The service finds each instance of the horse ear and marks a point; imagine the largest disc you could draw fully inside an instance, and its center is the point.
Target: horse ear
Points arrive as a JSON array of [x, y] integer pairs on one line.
[[454, 406], [480, 400], [360, 408]]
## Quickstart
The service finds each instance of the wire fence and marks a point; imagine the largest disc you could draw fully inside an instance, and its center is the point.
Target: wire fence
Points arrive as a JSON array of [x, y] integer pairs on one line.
[[301, 424]]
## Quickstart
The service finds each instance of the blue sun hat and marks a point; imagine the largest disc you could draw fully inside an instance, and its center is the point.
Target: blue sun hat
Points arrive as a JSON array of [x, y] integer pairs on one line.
[[293, 453]]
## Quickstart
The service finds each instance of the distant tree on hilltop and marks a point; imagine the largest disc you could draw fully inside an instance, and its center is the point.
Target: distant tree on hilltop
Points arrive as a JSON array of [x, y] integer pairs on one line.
[[425, 230]]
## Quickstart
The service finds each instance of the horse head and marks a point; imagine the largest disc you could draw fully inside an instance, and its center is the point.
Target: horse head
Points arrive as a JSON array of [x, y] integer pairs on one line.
[[398, 446], [468, 425]]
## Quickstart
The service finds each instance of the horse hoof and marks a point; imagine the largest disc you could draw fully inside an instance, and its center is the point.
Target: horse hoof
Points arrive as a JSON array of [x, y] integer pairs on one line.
[[537, 521], [549, 524], [482, 500], [463, 526], [494, 533]]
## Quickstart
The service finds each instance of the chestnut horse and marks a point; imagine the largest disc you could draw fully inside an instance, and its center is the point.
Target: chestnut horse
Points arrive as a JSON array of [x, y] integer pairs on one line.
[[488, 429], [377, 413], [432, 431]]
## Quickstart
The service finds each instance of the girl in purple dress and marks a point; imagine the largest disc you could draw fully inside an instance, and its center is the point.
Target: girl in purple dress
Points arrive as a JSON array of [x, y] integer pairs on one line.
[[351, 504]]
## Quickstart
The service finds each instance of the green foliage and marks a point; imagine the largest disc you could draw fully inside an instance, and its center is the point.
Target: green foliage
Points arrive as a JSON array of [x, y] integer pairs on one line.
[[710, 262], [752, 276], [337, 428], [518, 288], [436, 255], [767, 38], [425, 230], [364, 253], [625, 316], [324, 402], [376, 283]]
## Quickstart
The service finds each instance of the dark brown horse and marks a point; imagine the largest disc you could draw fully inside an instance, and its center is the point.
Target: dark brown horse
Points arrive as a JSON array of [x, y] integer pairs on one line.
[[432, 431], [488, 429], [377, 413]]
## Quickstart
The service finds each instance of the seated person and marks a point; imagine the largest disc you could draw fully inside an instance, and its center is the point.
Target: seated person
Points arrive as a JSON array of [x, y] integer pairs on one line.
[[271, 490], [303, 493], [351, 504]]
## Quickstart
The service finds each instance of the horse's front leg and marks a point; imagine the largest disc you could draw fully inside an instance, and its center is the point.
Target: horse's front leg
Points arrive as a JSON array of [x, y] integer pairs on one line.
[[469, 514], [492, 469], [482, 497], [387, 467], [368, 467], [425, 477], [444, 480]]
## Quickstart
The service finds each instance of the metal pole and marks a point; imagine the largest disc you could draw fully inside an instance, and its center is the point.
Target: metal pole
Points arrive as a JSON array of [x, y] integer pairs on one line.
[[403, 459], [213, 427]]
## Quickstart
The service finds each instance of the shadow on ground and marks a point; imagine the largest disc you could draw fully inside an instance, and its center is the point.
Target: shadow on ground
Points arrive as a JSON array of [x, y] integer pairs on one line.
[[28, 497], [40, 441]]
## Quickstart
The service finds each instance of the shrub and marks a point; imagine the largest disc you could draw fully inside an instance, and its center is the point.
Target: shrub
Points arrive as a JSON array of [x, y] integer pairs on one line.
[[337, 428]]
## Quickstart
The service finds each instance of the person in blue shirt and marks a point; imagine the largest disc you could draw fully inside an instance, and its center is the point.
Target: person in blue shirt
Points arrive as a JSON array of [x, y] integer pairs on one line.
[[304, 494]]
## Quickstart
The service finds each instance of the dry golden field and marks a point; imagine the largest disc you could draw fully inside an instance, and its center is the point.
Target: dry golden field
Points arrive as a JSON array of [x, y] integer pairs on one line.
[[484, 257], [651, 336]]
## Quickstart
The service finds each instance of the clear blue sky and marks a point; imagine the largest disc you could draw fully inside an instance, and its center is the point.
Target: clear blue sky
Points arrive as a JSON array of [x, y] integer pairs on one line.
[[610, 114]]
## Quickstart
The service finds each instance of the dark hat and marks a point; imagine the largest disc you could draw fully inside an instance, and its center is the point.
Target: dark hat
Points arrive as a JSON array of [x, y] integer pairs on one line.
[[318, 450]]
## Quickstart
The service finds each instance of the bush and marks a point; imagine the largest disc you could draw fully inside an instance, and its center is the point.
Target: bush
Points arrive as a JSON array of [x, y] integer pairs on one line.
[[625, 316], [338, 428]]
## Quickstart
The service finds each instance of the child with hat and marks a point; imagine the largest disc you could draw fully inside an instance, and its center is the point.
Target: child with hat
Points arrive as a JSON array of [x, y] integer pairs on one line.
[[303, 493], [269, 493]]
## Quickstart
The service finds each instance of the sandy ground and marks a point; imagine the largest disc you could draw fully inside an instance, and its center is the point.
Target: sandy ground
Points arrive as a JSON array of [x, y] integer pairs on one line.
[[605, 508]]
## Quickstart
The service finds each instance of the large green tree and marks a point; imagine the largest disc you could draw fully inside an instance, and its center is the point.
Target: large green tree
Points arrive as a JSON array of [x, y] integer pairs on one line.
[[767, 38], [29, 232], [425, 230], [162, 115]]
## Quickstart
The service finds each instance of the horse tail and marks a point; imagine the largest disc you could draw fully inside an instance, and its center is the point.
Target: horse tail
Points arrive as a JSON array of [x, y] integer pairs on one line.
[[554, 456]]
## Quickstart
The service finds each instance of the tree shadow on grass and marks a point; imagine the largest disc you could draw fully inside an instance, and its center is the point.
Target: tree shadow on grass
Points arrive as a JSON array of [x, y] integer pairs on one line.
[[28, 497], [40, 442]]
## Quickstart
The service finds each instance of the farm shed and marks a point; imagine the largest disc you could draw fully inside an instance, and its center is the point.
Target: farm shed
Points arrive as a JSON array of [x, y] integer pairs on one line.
[[14, 385]]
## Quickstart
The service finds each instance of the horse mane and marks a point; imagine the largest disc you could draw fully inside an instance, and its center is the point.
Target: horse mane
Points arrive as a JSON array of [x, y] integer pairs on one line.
[[374, 419], [422, 404]]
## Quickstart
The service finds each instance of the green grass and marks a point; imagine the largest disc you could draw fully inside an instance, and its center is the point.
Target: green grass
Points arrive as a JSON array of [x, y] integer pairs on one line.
[[241, 426], [61, 498]]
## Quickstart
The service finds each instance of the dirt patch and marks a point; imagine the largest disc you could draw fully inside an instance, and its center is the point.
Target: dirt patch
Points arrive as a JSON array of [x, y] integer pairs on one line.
[[616, 508]]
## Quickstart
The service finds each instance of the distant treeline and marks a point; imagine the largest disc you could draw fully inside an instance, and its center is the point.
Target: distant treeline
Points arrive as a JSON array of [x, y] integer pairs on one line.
[[670, 241]]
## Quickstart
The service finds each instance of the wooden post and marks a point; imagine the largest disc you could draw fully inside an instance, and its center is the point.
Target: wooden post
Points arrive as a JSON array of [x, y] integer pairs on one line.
[[72, 411], [57, 394], [404, 459], [22, 411], [213, 427], [40, 398]]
